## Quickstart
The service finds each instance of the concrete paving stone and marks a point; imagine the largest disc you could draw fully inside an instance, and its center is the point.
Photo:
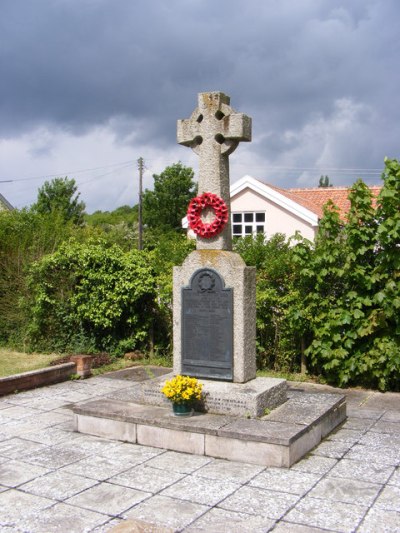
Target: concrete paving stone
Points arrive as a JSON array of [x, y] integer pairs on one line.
[[17, 447], [50, 436], [108, 499], [19, 428], [383, 400], [16, 505], [395, 479], [222, 521], [14, 473], [62, 518], [327, 514], [99, 468], [391, 416], [260, 502], [53, 457], [47, 404], [285, 527], [88, 444], [379, 520], [168, 512], [362, 424], [358, 412], [374, 454], [110, 526], [363, 471], [285, 480], [389, 499], [346, 491], [346, 435], [179, 462], [201, 490], [132, 454], [316, 464], [380, 439], [384, 426], [229, 471], [146, 478], [333, 449], [58, 485], [17, 412], [51, 418], [74, 397]]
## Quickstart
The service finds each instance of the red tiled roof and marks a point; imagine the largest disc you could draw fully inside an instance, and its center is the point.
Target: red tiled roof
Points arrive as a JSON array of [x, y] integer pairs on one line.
[[314, 199]]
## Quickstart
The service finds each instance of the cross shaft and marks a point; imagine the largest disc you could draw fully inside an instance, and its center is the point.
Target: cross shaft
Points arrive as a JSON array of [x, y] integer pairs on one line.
[[213, 131]]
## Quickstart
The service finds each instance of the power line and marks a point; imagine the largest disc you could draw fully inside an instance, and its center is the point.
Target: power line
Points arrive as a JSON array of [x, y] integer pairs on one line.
[[65, 173]]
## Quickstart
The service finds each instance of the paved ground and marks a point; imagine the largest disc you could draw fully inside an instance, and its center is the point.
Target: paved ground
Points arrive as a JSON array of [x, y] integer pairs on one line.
[[52, 479]]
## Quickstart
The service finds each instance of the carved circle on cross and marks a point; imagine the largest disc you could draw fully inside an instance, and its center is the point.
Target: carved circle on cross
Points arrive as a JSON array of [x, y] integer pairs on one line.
[[195, 209]]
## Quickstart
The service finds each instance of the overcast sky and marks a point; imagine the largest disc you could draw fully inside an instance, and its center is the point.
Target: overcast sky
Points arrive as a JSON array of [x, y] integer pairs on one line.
[[89, 86]]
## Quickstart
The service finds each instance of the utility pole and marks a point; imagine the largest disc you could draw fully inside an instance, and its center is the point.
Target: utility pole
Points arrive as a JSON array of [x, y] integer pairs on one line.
[[141, 170]]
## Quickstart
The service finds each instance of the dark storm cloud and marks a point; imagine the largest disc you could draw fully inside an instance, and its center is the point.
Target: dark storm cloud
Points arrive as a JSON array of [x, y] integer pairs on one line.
[[138, 66]]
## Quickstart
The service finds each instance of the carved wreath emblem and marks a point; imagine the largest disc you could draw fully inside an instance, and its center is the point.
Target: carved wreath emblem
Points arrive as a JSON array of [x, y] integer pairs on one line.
[[196, 206]]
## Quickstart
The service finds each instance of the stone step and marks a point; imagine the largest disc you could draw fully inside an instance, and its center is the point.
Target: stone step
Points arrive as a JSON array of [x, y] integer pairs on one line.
[[279, 439]]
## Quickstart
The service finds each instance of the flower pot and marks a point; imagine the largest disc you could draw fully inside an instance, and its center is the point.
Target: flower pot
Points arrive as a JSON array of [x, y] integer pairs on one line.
[[182, 409]]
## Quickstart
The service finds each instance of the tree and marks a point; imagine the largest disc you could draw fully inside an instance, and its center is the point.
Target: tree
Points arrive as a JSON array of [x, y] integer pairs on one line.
[[351, 289], [59, 195], [324, 182], [166, 205]]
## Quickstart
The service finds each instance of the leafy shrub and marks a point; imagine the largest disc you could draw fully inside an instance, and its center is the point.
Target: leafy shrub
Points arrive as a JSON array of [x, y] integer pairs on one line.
[[91, 296]]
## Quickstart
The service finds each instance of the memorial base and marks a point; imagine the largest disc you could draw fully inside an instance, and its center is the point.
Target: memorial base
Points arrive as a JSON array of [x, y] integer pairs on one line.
[[279, 438], [249, 400]]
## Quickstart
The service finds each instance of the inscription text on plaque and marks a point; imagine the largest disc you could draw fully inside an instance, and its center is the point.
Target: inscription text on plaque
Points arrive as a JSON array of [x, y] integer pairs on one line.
[[207, 327]]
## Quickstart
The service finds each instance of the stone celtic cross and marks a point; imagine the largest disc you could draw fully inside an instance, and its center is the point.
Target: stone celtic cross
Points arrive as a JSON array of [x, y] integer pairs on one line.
[[213, 131]]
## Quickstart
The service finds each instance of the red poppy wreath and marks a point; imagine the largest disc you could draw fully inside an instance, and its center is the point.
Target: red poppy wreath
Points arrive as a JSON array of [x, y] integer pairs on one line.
[[196, 206]]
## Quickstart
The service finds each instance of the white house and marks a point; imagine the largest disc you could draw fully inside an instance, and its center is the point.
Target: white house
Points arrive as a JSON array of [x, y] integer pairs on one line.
[[258, 207], [5, 204]]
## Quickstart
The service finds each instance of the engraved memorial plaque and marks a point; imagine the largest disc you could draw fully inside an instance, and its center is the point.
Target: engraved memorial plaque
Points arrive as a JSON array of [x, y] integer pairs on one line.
[[207, 327]]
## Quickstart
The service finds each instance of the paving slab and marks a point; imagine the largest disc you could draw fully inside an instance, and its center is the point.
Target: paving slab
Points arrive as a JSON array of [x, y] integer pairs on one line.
[[374, 454], [285, 527], [201, 490], [16, 505], [260, 502], [16, 447], [230, 471], [179, 462], [380, 520], [389, 499], [146, 478], [346, 490], [58, 485], [327, 514], [108, 499], [168, 512], [97, 467], [62, 518], [285, 481], [225, 521], [363, 471], [395, 479], [315, 464], [14, 473]]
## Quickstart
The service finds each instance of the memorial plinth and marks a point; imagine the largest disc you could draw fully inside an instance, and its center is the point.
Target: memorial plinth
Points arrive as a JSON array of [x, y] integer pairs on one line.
[[239, 332]]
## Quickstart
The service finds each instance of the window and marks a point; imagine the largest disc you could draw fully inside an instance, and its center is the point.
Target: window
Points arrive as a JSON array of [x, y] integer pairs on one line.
[[244, 224]]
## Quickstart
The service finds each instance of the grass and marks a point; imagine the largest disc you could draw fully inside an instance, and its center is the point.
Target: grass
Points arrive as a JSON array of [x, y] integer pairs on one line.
[[120, 364], [289, 376], [12, 362], [16, 362]]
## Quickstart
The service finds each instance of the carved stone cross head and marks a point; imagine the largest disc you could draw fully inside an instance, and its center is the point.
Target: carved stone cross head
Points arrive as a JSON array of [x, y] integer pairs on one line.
[[213, 131]]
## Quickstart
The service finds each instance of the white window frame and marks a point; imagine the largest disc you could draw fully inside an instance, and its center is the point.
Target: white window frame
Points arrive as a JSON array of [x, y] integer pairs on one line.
[[247, 227]]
